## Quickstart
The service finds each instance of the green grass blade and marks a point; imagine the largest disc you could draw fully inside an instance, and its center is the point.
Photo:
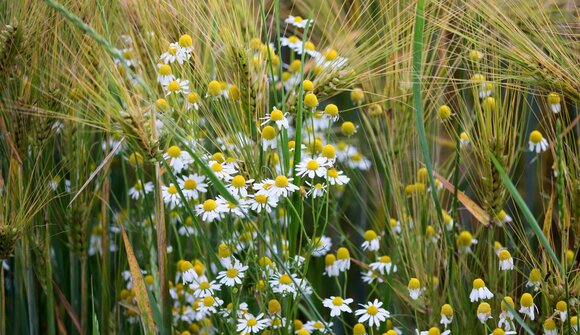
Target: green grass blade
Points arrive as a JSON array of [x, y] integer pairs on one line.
[[526, 211]]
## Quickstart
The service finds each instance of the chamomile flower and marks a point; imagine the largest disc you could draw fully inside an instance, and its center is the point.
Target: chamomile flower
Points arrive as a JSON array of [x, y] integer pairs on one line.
[[479, 291], [537, 142], [527, 306], [297, 21], [209, 305], [192, 185], [320, 326], [165, 74], [502, 218], [550, 327], [554, 102], [465, 240], [269, 139], [223, 171], [336, 177], [337, 305], [239, 186], [193, 101], [331, 270], [483, 312], [464, 139], [202, 287], [506, 318], [535, 279], [342, 259], [415, 288], [211, 210], [372, 241], [261, 201], [316, 190], [174, 53], [432, 331], [330, 59], [370, 277], [176, 86], [395, 225], [446, 315], [561, 310], [250, 324], [278, 117], [233, 274], [312, 167], [359, 161], [283, 283], [575, 322], [139, 190], [186, 271], [170, 195], [292, 42], [373, 313], [384, 265], [178, 159], [499, 331], [282, 187], [506, 262]]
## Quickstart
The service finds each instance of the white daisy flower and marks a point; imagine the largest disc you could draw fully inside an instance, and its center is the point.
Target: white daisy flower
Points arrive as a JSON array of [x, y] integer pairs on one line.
[[415, 288], [535, 279], [371, 276], [202, 287], [283, 283], [282, 186], [208, 306], [297, 21], [170, 196], [506, 262], [261, 201], [384, 265], [446, 315], [336, 177], [277, 117], [165, 74], [233, 274], [211, 209], [312, 167], [174, 53], [431, 331], [192, 185], [139, 190], [358, 161], [250, 324], [330, 59], [321, 246], [269, 138], [554, 102], [176, 86], [372, 241], [337, 305], [373, 313], [321, 326], [484, 312], [223, 171], [537, 142], [316, 190], [502, 218], [292, 42], [527, 306], [178, 159], [479, 291], [239, 210]]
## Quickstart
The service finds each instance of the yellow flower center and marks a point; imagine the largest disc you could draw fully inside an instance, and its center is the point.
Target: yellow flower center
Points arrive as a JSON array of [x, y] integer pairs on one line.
[[252, 322], [173, 86], [550, 324], [504, 255], [312, 165], [214, 88], [208, 301], [293, 39], [138, 186], [385, 259], [535, 275], [172, 50], [285, 279], [478, 283], [343, 253], [372, 310], [329, 259], [309, 46], [193, 98], [268, 133], [261, 199], [190, 184], [165, 70], [328, 151], [295, 65], [298, 19], [172, 189], [561, 306], [553, 98], [465, 239], [185, 41], [434, 331], [330, 54], [444, 112], [308, 85], [310, 100], [238, 181], [337, 301], [509, 301], [174, 151], [370, 235], [447, 310], [484, 308], [281, 181], [209, 205], [414, 284], [333, 173], [536, 136], [217, 167], [232, 273], [204, 285], [526, 300], [348, 128], [276, 115]]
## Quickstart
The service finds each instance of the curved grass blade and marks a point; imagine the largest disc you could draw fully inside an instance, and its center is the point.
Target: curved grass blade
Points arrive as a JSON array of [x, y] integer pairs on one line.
[[526, 211]]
